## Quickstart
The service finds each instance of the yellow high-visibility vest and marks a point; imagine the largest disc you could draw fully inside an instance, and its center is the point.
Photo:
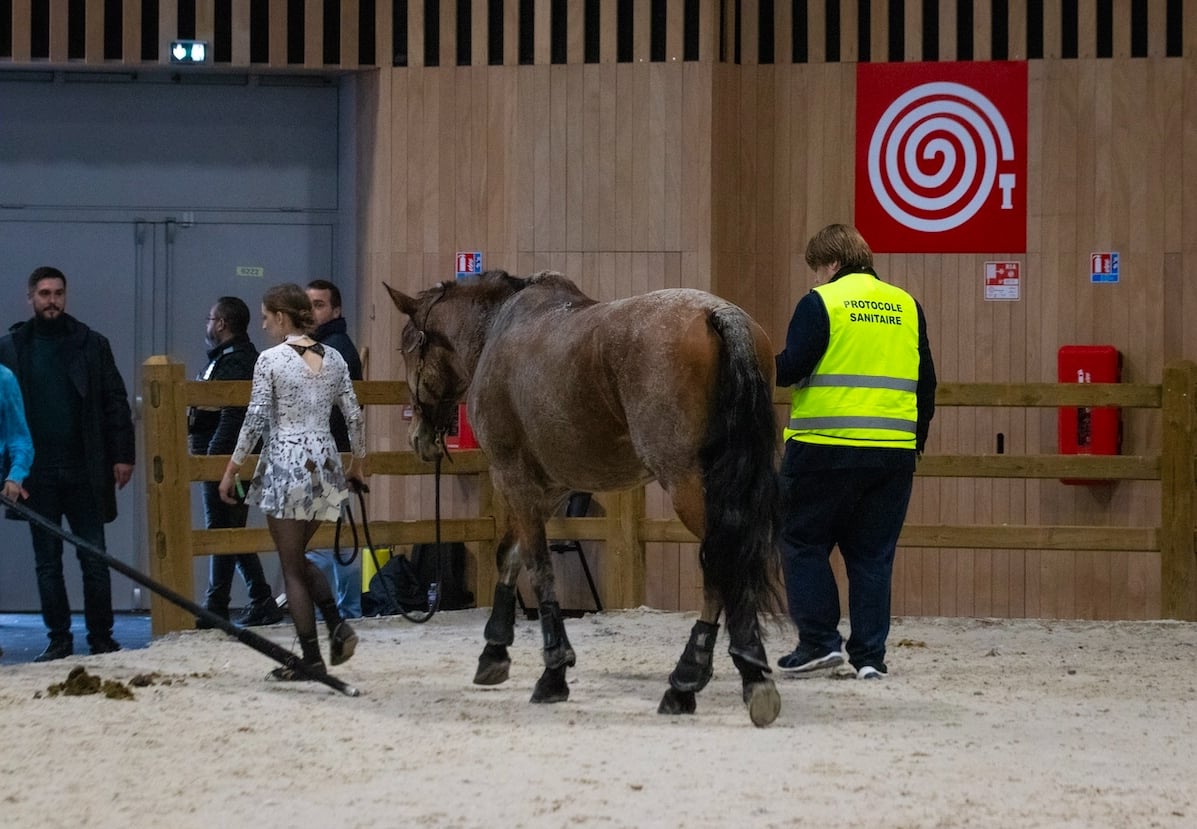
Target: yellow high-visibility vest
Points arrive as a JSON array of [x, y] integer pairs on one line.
[[862, 391]]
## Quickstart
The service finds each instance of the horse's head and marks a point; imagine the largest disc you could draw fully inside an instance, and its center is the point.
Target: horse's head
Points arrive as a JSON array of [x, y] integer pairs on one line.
[[445, 333], [436, 374]]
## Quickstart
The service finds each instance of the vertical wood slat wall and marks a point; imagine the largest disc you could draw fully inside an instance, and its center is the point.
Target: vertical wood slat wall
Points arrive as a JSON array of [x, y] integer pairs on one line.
[[739, 32], [117, 43], [711, 169]]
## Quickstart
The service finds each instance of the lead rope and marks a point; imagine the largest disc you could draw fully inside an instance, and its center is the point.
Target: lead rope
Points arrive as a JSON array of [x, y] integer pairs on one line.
[[346, 517], [434, 589]]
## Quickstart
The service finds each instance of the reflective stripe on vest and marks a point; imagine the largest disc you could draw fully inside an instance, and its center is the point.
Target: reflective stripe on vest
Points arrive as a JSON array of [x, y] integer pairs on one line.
[[862, 391]]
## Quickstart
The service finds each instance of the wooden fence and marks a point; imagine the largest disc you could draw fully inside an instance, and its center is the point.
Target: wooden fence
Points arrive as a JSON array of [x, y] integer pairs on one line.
[[625, 528]]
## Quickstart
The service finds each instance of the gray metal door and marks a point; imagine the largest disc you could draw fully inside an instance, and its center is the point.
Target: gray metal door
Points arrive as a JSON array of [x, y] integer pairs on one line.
[[100, 262]]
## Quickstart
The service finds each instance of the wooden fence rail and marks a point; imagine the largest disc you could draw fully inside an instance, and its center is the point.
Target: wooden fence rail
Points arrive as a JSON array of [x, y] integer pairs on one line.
[[626, 529]]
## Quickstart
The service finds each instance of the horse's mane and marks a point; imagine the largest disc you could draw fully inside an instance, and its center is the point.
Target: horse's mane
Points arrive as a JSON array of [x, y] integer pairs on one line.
[[487, 284], [492, 287]]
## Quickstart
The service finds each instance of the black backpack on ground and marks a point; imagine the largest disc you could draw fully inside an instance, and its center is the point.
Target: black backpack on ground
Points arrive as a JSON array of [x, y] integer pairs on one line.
[[445, 566], [402, 584], [393, 589]]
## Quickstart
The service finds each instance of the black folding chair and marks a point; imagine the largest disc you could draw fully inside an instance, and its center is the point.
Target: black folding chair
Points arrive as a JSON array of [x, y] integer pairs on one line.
[[578, 506]]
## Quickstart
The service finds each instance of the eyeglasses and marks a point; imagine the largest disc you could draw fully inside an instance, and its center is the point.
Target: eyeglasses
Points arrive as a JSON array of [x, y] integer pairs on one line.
[[214, 319]]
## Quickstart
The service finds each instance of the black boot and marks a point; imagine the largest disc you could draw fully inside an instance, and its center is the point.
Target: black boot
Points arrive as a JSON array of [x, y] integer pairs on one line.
[[557, 650], [313, 663], [221, 610], [102, 643], [59, 648], [694, 669]]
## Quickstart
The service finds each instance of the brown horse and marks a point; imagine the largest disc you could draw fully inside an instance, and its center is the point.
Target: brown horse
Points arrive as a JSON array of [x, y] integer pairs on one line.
[[566, 393]]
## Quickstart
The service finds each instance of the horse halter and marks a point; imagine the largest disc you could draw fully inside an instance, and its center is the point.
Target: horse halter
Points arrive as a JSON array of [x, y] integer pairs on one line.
[[422, 344]]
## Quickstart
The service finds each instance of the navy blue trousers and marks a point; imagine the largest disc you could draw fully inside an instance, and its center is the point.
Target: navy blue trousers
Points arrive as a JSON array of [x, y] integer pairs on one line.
[[219, 515], [861, 510]]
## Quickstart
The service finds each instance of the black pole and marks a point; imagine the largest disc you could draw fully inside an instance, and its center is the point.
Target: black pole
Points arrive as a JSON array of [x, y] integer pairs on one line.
[[259, 643]]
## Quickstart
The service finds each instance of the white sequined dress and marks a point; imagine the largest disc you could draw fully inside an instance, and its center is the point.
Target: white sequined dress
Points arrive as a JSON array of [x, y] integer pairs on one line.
[[299, 472]]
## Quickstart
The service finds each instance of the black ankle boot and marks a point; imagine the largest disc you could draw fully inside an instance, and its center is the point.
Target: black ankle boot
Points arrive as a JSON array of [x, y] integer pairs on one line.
[[342, 644], [293, 673]]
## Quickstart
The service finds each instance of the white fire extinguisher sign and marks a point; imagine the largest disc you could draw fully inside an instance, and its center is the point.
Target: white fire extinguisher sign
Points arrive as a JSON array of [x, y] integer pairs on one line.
[[1103, 267]]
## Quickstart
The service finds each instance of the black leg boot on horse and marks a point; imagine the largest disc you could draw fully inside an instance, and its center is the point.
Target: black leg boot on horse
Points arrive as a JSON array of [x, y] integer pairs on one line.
[[748, 653], [494, 665], [693, 670], [558, 656]]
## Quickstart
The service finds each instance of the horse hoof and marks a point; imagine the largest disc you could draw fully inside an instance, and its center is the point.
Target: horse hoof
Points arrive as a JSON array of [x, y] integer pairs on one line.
[[763, 701], [494, 666], [551, 687], [677, 702]]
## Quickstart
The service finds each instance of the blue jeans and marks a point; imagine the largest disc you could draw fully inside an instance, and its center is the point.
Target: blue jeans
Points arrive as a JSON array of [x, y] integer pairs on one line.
[[346, 580], [56, 493], [861, 510], [219, 515]]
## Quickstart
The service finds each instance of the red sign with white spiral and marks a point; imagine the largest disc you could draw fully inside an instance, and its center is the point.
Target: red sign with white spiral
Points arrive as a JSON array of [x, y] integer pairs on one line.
[[941, 157]]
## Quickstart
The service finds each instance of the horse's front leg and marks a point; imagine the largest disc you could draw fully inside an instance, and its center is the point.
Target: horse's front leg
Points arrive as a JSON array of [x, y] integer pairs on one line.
[[494, 664], [558, 654], [694, 668]]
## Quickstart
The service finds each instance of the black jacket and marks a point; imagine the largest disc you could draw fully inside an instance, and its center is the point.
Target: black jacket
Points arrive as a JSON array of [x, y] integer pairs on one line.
[[215, 431], [108, 436], [334, 334]]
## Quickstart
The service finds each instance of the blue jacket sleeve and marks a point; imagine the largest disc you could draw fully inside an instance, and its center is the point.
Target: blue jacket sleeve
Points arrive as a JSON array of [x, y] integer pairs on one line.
[[18, 445]]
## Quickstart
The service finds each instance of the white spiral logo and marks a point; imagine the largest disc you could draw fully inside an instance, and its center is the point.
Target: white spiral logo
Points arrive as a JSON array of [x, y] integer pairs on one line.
[[934, 155]]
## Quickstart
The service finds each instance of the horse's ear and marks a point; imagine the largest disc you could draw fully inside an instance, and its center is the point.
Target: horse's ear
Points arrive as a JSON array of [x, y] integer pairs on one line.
[[402, 301]]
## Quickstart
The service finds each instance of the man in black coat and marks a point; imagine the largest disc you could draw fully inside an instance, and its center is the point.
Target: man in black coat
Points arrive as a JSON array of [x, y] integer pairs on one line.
[[331, 330], [214, 431], [84, 445]]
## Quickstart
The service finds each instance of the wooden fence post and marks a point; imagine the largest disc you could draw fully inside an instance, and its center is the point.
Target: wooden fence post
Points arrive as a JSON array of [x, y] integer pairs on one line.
[[1178, 493], [486, 571], [168, 493], [622, 565]]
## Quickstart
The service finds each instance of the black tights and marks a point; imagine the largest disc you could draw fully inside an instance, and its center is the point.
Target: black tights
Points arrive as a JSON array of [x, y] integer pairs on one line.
[[306, 586]]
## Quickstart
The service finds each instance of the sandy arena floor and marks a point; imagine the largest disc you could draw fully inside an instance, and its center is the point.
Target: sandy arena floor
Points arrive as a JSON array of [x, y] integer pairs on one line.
[[980, 724]]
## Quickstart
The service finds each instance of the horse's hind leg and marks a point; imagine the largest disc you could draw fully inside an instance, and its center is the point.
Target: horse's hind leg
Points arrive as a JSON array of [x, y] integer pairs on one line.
[[694, 668], [747, 650], [494, 664], [748, 653]]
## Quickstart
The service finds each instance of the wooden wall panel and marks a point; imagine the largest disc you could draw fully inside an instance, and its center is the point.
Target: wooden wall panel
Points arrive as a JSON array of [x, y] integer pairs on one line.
[[1157, 28], [277, 36], [93, 47], [576, 167], [58, 31], [947, 30]]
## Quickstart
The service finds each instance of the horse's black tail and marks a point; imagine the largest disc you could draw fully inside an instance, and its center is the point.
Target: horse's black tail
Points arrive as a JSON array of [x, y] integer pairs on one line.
[[739, 460]]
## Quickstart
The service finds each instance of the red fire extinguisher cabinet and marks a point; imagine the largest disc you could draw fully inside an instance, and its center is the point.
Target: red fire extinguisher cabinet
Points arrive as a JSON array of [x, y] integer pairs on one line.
[[1084, 430], [460, 434]]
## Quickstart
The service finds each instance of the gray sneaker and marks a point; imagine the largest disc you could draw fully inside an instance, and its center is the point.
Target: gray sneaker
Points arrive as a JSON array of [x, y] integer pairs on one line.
[[807, 658]]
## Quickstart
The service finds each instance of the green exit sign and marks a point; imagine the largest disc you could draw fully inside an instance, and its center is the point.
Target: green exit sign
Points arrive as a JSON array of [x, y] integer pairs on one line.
[[248, 270]]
